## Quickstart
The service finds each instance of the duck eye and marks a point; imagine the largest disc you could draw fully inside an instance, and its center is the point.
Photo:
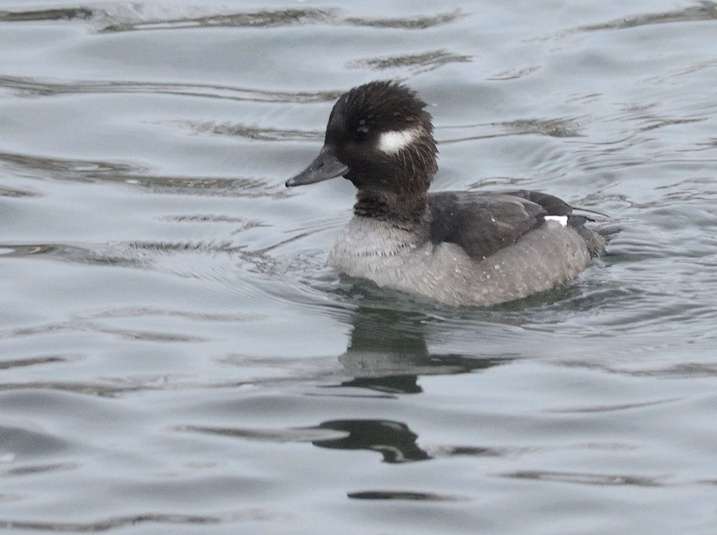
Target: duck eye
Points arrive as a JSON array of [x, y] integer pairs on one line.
[[361, 132]]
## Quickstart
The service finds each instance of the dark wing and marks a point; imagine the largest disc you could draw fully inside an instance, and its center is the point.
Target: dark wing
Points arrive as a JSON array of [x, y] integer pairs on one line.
[[551, 204], [483, 223]]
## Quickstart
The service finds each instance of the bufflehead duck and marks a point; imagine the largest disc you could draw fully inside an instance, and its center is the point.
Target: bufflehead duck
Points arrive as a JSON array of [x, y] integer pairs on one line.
[[456, 247]]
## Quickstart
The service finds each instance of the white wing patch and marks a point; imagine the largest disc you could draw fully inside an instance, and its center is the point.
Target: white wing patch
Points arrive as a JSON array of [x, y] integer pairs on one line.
[[562, 219], [396, 140]]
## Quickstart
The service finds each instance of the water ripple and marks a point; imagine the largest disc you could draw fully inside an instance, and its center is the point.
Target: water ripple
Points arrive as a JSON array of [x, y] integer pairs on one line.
[[31, 361], [34, 469], [109, 524], [269, 19], [703, 11], [26, 86], [253, 132], [616, 407], [35, 166], [62, 167], [685, 370], [208, 186], [515, 73], [308, 434], [565, 127], [15, 193], [80, 325], [21, 442], [239, 223], [67, 13], [584, 478], [133, 312], [73, 253], [416, 63], [408, 23], [256, 19]]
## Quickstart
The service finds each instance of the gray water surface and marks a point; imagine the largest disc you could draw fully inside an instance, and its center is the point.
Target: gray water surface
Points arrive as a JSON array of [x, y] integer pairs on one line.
[[175, 356]]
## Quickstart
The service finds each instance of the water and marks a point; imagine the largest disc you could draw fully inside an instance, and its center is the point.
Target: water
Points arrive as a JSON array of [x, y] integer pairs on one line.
[[176, 357]]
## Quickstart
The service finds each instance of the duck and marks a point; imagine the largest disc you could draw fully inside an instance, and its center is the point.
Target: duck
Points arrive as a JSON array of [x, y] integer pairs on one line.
[[459, 248]]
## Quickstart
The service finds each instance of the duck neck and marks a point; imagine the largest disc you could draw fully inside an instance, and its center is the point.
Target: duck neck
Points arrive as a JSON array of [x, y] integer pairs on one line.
[[403, 211]]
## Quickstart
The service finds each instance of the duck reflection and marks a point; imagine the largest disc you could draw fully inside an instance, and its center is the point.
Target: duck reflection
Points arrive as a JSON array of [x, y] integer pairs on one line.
[[393, 440], [388, 353]]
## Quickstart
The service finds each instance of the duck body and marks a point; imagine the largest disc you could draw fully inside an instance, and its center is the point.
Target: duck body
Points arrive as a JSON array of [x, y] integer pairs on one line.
[[462, 248], [496, 257]]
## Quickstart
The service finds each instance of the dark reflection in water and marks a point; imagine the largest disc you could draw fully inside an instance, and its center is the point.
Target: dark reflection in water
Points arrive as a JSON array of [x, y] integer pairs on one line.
[[402, 495], [388, 352], [398, 384], [393, 440]]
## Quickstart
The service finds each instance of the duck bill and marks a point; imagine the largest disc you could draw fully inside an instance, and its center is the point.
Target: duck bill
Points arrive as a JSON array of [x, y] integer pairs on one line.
[[324, 167]]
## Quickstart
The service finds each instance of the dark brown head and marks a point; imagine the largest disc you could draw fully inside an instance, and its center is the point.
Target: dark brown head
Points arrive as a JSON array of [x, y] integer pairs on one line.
[[380, 137]]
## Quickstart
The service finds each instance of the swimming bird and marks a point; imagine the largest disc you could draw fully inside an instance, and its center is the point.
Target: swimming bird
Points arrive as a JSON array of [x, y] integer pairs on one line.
[[455, 247]]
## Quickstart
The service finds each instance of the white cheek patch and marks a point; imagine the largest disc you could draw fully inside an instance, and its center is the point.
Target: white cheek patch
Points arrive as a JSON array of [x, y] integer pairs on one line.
[[562, 219], [394, 141]]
